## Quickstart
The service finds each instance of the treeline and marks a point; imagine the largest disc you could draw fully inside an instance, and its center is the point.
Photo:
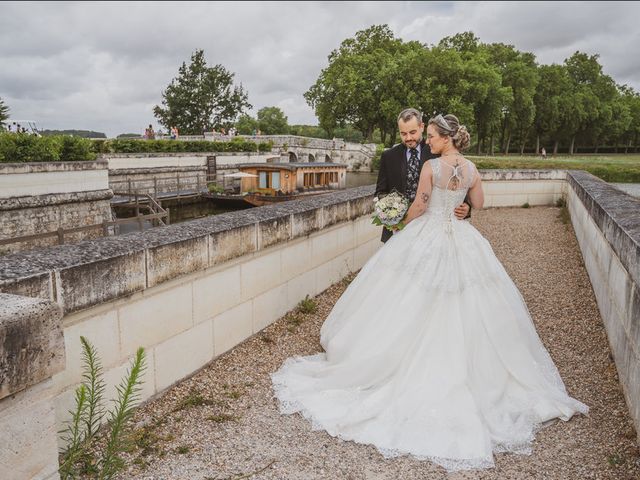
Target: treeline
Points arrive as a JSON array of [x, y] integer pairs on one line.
[[273, 121], [509, 101], [75, 133]]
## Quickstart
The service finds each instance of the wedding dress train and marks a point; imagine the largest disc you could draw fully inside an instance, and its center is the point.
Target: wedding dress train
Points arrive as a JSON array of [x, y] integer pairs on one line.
[[431, 350]]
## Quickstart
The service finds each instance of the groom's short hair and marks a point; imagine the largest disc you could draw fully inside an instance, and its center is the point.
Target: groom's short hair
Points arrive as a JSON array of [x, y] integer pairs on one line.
[[408, 113]]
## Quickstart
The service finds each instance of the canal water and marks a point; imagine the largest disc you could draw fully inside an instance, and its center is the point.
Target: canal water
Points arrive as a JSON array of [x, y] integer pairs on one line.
[[189, 209]]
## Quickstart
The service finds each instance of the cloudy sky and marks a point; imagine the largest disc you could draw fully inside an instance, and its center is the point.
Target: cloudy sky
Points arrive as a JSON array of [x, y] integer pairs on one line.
[[103, 66]]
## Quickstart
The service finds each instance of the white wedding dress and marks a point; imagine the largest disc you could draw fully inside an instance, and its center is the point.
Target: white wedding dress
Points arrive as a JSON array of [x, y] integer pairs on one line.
[[431, 350]]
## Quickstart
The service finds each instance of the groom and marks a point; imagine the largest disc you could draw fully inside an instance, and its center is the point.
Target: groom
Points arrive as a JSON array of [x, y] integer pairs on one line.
[[400, 165]]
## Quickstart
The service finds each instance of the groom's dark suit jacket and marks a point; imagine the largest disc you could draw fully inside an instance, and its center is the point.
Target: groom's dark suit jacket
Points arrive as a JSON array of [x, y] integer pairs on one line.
[[393, 172]]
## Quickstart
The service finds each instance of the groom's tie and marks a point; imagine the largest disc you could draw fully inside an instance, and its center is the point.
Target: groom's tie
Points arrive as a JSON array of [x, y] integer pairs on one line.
[[413, 174]]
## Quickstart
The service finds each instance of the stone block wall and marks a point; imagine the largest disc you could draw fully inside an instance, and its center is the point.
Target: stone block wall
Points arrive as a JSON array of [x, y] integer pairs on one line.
[[31, 352], [38, 198], [164, 172], [607, 225]]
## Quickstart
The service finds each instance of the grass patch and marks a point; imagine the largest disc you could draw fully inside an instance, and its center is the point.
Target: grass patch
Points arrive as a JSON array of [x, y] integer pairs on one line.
[[526, 205], [222, 418], [182, 449], [234, 394], [615, 460], [610, 168], [146, 440], [564, 215], [561, 202], [266, 338], [308, 305], [194, 399]]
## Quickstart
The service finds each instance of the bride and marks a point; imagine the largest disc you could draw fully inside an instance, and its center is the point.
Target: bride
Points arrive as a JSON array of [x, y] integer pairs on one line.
[[431, 350]]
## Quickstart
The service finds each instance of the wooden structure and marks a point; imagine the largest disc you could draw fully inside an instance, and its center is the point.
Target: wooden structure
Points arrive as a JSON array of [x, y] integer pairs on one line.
[[276, 182]]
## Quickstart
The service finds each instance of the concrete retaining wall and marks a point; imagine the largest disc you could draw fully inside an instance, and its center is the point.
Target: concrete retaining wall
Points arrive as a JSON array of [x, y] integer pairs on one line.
[[42, 197], [31, 351], [607, 224]]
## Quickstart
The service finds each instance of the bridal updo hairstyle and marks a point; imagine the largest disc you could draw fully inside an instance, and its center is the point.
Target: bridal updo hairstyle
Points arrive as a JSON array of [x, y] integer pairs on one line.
[[449, 126]]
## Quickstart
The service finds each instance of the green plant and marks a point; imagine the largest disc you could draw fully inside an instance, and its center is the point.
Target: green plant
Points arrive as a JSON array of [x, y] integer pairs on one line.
[[194, 399], [221, 418], [308, 305], [265, 146], [128, 395], [561, 202], [564, 215], [79, 436], [526, 205], [75, 149], [213, 188]]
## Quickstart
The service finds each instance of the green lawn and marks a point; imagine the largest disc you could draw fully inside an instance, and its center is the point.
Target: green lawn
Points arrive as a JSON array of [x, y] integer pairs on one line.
[[611, 168]]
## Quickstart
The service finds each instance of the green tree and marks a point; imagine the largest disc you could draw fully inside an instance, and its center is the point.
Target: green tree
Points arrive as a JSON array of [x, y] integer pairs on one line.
[[4, 112], [354, 86], [246, 124], [272, 121], [519, 75], [468, 85], [632, 133], [313, 131], [585, 104], [553, 86], [201, 98]]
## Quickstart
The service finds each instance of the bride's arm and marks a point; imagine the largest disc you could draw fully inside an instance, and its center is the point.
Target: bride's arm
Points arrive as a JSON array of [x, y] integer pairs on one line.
[[423, 195]]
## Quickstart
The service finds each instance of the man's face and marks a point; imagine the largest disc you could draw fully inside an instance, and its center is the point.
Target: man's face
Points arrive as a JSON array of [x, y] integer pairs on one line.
[[411, 132]]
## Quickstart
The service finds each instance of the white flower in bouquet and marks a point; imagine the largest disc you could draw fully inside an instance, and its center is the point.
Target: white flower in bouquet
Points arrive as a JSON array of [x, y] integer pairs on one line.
[[390, 210]]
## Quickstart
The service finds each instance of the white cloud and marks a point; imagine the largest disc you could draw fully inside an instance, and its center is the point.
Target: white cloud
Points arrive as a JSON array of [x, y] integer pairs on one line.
[[103, 66]]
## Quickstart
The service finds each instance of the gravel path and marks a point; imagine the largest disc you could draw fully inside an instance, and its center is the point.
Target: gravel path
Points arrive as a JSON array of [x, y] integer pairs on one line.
[[223, 423]]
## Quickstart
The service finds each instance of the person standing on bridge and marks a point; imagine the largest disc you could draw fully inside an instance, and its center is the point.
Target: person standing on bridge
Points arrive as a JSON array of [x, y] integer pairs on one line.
[[400, 166]]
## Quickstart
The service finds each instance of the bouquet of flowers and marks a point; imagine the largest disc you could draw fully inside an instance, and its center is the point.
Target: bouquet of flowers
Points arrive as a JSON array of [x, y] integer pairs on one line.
[[390, 210]]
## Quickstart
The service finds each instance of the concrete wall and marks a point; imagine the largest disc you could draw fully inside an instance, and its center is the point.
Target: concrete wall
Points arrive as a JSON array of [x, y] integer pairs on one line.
[[507, 188], [120, 161], [31, 351], [607, 225], [42, 197], [168, 172]]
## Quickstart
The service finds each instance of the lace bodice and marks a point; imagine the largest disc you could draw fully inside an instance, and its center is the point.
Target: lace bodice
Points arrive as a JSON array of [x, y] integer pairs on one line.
[[450, 186]]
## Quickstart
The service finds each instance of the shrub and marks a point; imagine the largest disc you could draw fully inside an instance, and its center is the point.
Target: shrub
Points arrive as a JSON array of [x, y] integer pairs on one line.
[[75, 149], [265, 146], [80, 455], [308, 305]]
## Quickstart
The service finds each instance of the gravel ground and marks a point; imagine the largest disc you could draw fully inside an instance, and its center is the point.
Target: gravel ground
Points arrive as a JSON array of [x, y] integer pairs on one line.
[[223, 422]]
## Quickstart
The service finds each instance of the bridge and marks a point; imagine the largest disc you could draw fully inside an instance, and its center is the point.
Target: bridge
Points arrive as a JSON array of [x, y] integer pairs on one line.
[[294, 148]]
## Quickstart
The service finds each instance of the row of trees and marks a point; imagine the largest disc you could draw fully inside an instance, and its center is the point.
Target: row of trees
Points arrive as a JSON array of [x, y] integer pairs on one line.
[[502, 94]]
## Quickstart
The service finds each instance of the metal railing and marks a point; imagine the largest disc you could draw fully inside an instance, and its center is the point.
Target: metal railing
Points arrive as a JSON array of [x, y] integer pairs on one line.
[[181, 182]]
